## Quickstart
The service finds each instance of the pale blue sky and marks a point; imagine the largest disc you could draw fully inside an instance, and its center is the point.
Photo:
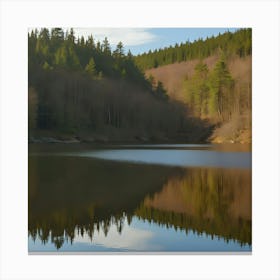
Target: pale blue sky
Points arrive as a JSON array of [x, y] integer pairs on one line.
[[140, 40]]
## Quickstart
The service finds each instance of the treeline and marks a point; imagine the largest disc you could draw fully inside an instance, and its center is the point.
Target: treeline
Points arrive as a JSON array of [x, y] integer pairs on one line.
[[59, 50], [239, 43], [77, 84], [59, 234], [240, 233]]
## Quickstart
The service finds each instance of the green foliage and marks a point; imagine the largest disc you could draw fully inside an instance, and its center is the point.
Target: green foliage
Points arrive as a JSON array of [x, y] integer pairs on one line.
[[72, 102], [90, 67], [69, 99], [119, 98], [221, 85], [60, 57], [239, 42], [73, 61], [46, 66], [65, 51], [119, 52], [211, 94], [57, 34], [106, 47], [197, 90], [71, 36]]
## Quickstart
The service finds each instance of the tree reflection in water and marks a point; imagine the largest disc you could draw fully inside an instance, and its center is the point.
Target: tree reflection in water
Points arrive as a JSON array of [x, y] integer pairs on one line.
[[78, 196]]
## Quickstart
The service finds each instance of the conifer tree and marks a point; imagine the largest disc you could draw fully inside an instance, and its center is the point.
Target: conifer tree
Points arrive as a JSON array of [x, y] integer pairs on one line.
[[119, 52], [90, 67], [61, 57], [220, 84], [106, 47], [57, 34], [71, 36]]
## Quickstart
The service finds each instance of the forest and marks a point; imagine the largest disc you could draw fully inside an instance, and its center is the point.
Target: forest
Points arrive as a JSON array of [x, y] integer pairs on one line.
[[239, 43], [82, 89], [214, 81]]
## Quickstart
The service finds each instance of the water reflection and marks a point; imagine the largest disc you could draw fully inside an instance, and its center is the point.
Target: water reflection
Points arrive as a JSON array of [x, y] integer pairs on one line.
[[214, 201], [74, 199]]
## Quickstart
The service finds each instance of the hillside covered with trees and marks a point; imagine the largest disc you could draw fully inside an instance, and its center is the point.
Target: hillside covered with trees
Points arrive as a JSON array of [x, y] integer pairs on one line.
[[214, 81], [239, 43], [83, 89]]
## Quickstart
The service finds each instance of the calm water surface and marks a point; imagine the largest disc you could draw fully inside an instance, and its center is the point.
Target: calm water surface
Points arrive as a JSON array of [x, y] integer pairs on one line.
[[139, 198]]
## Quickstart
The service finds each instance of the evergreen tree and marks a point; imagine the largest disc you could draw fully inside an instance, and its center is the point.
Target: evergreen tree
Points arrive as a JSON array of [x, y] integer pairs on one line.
[[98, 46], [71, 36], [72, 59], [90, 42], [119, 52], [199, 89], [44, 35], [106, 47], [82, 42], [221, 85], [129, 55], [90, 67], [239, 42], [60, 58], [57, 34]]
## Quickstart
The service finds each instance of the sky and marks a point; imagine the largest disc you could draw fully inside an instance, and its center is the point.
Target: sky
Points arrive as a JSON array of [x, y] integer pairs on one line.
[[139, 40]]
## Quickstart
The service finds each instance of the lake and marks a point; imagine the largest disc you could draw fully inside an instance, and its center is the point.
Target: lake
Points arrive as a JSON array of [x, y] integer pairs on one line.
[[139, 198]]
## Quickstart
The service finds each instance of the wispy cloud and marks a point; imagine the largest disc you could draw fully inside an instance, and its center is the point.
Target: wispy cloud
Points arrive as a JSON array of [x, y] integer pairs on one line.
[[131, 238], [128, 36]]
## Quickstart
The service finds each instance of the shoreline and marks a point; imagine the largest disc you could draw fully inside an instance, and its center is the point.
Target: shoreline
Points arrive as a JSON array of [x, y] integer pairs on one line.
[[140, 141]]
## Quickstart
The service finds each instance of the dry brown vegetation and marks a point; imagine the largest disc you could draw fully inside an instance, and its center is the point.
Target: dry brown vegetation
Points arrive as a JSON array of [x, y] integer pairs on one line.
[[210, 200], [187, 194], [173, 75], [238, 128]]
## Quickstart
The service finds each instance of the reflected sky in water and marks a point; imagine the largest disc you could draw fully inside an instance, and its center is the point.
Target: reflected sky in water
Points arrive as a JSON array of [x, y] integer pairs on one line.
[[143, 236], [174, 157], [167, 145], [187, 199]]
